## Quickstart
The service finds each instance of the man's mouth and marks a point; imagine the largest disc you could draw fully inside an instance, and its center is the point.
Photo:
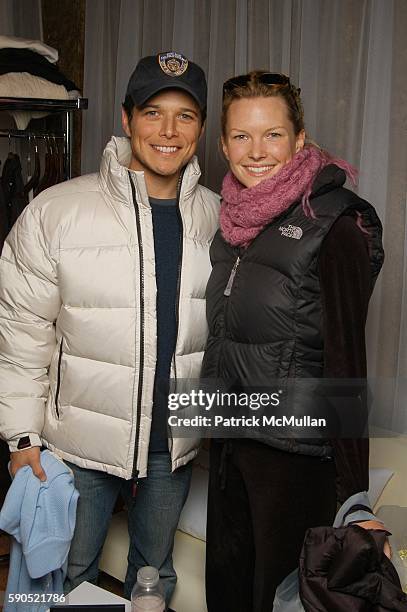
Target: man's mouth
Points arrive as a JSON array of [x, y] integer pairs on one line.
[[166, 150]]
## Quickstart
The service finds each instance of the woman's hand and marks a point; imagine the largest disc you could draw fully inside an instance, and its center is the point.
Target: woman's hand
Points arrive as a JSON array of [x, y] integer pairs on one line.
[[380, 527]]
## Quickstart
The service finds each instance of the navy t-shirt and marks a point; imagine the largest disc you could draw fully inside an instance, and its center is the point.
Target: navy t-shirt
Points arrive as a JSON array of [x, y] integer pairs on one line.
[[167, 235]]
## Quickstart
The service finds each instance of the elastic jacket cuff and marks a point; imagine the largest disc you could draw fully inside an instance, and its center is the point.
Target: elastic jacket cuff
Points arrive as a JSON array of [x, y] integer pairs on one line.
[[24, 441]]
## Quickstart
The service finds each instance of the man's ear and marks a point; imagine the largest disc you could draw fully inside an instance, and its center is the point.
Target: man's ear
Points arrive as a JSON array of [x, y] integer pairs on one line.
[[202, 132], [126, 123]]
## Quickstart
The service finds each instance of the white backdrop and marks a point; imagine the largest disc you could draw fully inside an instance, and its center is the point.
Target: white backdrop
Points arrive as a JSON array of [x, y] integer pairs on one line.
[[348, 56]]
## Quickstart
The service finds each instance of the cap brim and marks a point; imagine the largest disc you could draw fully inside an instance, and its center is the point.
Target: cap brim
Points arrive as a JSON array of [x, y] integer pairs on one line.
[[142, 95]]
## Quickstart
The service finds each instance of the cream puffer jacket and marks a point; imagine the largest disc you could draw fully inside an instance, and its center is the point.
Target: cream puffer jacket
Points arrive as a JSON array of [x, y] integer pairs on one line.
[[78, 315]]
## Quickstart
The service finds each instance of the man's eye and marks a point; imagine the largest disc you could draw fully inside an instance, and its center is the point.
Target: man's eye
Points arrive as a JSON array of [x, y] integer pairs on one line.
[[152, 113], [186, 117], [274, 134]]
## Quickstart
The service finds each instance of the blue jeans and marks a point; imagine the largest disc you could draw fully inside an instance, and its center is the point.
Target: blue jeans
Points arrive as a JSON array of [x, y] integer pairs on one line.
[[153, 516]]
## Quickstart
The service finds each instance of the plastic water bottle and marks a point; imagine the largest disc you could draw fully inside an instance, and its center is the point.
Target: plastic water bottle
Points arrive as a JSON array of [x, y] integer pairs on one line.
[[147, 594]]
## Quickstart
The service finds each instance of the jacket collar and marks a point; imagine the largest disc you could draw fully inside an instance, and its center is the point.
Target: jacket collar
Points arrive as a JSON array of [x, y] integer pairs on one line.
[[331, 177], [114, 176]]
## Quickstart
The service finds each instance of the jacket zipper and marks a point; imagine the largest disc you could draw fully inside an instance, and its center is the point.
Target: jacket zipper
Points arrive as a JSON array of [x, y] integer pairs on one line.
[[135, 471], [181, 246], [58, 379]]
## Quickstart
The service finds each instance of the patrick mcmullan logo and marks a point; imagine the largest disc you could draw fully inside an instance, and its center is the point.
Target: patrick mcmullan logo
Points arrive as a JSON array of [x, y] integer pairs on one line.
[[290, 231]]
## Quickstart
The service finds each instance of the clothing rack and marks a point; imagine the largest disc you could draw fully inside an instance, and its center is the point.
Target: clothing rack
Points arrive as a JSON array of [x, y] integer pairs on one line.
[[51, 106]]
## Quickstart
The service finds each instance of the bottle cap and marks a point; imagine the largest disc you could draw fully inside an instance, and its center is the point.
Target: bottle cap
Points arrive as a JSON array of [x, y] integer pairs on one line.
[[148, 576]]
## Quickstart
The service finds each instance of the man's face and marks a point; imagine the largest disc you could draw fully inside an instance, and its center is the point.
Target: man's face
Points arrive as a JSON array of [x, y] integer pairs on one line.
[[164, 134]]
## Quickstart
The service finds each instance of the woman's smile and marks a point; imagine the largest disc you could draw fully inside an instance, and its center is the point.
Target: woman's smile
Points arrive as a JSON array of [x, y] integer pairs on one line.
[[259, 138]]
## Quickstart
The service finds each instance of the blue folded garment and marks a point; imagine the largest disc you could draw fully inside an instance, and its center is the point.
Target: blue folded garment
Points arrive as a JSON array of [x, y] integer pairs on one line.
[[41, 518]]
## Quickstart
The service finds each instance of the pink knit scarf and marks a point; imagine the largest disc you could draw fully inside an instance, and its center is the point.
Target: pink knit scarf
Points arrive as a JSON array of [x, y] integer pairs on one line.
[[245, 211]]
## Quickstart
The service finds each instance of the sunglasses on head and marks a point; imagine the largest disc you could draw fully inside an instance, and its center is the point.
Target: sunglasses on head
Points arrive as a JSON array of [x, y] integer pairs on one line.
[[267, 78]]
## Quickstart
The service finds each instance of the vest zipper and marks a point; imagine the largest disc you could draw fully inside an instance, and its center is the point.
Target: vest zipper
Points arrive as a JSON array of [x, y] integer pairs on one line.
[[135, 471], [228, 289], [229, 285], [58, 379], [227, 292]]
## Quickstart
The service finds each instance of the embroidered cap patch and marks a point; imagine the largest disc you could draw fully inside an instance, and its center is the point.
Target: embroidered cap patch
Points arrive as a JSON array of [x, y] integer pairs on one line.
[[173, 64]]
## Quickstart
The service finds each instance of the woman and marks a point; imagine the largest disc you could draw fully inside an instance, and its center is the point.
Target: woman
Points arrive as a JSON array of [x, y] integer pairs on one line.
[[294, 265]]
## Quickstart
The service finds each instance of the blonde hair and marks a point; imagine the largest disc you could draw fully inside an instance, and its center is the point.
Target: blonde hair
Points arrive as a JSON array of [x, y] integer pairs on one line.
[[255, 88]]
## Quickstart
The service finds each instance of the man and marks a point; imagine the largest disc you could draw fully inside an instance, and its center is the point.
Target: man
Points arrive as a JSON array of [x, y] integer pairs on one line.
[[102, 284]]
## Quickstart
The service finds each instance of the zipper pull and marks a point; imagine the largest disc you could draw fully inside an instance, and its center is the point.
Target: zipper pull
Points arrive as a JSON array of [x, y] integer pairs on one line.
[[229, 286], [134, 485]]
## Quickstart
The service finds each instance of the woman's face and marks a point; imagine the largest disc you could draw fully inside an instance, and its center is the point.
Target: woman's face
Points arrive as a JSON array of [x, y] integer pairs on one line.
[[259, 138]]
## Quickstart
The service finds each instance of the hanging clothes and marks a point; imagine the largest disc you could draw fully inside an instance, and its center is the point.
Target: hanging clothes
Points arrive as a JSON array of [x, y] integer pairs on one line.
[[4, 224], [13, 188], [33, 182]]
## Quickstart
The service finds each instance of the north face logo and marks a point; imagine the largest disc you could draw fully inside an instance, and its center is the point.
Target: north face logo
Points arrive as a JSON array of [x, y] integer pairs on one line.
[[291, 231]]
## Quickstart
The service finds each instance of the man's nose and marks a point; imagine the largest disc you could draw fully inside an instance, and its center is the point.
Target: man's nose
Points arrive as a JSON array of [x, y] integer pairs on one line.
[[169, 126]]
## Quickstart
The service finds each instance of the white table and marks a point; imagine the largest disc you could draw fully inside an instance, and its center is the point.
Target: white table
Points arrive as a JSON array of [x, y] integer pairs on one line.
[[87, 593]]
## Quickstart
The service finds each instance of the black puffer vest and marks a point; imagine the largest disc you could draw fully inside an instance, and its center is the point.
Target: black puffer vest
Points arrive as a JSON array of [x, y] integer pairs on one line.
[[264, 308]]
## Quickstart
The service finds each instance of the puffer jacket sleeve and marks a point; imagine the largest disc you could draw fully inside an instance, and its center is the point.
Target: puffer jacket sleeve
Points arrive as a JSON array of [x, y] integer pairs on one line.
[[29, 305]]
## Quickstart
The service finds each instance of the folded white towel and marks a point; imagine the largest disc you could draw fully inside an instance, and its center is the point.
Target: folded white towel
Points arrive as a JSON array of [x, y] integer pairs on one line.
[[25, 85]]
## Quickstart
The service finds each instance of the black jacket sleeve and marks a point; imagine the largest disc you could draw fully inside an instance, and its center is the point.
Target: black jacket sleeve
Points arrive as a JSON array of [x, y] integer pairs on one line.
[[345, 280]]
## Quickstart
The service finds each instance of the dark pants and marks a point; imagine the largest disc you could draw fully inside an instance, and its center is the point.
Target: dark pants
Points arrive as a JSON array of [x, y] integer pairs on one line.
[[257, 518]]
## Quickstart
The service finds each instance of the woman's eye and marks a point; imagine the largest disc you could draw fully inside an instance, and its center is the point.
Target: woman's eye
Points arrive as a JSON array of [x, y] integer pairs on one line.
[[274, 134], [240, 137]]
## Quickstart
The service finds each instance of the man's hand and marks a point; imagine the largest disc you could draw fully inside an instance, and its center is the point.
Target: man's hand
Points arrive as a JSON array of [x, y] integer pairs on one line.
[[31, 457], [377, 525]]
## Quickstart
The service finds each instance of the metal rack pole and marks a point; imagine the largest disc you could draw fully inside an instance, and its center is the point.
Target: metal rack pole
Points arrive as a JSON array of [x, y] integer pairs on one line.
[[68, 144], [24, 134]]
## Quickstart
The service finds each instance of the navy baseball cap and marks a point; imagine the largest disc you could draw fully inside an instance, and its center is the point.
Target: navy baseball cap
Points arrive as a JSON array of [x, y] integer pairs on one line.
[[169, 70]]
